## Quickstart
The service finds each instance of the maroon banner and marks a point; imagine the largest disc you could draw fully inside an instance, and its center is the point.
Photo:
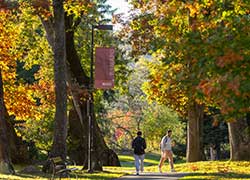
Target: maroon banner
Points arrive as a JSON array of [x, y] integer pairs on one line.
[[104, 68]]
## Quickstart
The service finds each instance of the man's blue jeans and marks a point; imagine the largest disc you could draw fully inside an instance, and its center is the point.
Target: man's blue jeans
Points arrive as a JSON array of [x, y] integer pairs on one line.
[[139, 164]]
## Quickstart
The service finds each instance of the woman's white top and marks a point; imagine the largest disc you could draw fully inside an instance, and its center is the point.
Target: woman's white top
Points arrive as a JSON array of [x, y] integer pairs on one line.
[[166, 143]]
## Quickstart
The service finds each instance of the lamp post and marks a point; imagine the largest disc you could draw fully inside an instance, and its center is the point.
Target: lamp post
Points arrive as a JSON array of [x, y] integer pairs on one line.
[[90, 101]]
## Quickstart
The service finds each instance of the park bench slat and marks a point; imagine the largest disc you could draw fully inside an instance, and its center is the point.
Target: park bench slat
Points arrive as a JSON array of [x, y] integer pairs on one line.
[[59, 167]]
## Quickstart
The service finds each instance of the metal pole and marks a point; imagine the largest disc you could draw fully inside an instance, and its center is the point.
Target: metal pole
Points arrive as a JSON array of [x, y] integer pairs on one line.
[[89, 135], [92, 58], [90, 102], [89, 105]]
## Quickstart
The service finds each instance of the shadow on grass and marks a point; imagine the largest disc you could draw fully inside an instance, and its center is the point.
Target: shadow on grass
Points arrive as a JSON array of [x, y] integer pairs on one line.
[[228, 175], [102, 175], [98, 175], [33, 175]]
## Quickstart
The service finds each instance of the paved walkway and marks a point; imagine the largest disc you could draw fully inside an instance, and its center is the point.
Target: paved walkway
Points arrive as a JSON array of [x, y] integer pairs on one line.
[[157, 176]]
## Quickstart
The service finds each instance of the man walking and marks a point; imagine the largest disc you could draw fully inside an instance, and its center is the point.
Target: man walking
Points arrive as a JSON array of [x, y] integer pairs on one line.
[[139, 146], [166, 151]]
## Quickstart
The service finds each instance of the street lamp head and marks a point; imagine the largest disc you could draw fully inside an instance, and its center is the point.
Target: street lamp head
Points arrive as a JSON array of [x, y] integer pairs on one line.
[[103, 27]]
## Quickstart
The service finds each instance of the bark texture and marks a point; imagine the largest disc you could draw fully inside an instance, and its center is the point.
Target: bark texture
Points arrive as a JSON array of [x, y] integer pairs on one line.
[[5, 161], [78, 150], [18, 149], [60, 125], [195, 124], [239, 138]]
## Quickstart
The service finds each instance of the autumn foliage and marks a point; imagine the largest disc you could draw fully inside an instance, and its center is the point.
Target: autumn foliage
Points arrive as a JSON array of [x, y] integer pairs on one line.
[[18, 96], [23, 100], [199, 49]]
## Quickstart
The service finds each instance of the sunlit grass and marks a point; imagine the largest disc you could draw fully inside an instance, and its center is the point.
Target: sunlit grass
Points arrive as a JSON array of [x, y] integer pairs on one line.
[[219, 170]]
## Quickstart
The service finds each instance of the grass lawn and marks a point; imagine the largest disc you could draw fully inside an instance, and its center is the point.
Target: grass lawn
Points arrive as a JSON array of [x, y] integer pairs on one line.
[[212, 170], [218, 170]]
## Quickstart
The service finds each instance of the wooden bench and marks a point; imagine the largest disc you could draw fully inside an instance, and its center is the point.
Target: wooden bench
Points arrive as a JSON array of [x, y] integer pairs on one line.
[[60, 168]]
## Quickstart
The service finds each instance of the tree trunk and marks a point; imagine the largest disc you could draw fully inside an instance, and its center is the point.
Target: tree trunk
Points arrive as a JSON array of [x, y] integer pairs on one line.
[[194, 143], [18, 149], [218, 151], [239, 138], [60, 125], [78, 131], [78, 83], [78, 150], [5, 162]]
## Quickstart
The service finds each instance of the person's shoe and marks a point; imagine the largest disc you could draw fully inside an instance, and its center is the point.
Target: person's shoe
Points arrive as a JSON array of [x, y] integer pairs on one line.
[[137, 174], [159, 169], [172, 170]]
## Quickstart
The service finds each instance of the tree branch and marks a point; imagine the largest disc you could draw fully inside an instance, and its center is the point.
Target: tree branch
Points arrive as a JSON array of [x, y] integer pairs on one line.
[[49, 28], [8, 4]]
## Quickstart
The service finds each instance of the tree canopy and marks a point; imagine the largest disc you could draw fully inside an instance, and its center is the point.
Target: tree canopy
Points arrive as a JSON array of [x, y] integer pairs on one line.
[[199, 52]]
